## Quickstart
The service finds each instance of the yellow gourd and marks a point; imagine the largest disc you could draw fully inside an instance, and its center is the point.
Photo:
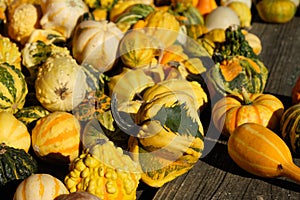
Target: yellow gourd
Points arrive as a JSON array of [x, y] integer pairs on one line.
[[262, 152]]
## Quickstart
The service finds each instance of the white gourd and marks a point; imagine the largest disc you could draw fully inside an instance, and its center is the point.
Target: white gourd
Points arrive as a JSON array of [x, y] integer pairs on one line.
[[96, 43]]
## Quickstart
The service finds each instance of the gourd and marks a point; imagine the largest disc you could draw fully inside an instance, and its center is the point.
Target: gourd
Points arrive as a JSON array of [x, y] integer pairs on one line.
[[56, 138], [60, 83], [9, 52], [221, 17], [167, 137], [13, 132], [235, 44], [40, 186], [47, 36], [206, 6], [13, 88], [228, 76], [23, 18], [226, 2], [132, 15], [233, 110], [289, 127], [62, 15], [96, 43], [254, 42], [15, 165], [243, 12], [186, 14], [34, 54], [161, 25], [296, 92], [80, 195], [137, 49], [110, 175], [276, 11], [261, 152], [96, 103], [30, 114]]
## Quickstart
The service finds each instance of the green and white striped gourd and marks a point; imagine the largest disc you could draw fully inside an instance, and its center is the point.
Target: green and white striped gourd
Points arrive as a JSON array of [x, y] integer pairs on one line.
[[13, 88]]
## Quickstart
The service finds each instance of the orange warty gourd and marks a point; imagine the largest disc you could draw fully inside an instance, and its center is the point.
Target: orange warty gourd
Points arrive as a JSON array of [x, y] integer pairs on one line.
[[262, 152], [233, 110], [56, 137]]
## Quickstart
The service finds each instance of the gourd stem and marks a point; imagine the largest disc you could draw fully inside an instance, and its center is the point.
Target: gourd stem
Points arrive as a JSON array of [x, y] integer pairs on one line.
[[292, 171], [246, 97]]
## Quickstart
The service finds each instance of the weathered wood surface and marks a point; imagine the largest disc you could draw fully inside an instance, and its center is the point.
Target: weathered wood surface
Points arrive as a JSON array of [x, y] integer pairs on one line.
[[216, 176]]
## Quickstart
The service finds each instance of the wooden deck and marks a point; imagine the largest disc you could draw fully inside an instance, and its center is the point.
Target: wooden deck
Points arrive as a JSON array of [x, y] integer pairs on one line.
[[216, 176]]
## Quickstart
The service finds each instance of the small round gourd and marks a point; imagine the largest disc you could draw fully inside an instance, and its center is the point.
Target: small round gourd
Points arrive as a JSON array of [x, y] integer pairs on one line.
[[40, 187], [60, 83], [96, 43], [276, 11], [289, 125], [56, 138], [233, 110]]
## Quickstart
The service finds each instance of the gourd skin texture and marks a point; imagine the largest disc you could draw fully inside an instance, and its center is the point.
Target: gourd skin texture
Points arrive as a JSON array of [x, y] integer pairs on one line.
[[261, 152], [60, 83], [40, 187], [13, 132]]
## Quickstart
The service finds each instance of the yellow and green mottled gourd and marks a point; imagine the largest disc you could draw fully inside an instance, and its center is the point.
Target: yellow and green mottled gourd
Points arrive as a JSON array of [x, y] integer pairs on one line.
[[13, 88]]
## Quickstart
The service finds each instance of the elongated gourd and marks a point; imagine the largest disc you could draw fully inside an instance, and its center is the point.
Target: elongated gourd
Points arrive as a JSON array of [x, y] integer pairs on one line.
[[262, 152]]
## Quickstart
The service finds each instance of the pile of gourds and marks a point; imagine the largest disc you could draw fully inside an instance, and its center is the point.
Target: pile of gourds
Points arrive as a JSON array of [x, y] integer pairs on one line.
[[119, 90]]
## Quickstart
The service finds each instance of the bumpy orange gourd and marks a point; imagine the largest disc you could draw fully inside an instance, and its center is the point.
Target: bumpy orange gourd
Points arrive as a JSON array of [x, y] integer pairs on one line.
[[56, 138], [262, 152], [234, 110]]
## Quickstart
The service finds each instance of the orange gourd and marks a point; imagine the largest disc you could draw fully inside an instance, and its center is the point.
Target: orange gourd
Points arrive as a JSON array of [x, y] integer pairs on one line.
[[56, 138], [233, 110], [262, 152], [206, 6], [296, 92]]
